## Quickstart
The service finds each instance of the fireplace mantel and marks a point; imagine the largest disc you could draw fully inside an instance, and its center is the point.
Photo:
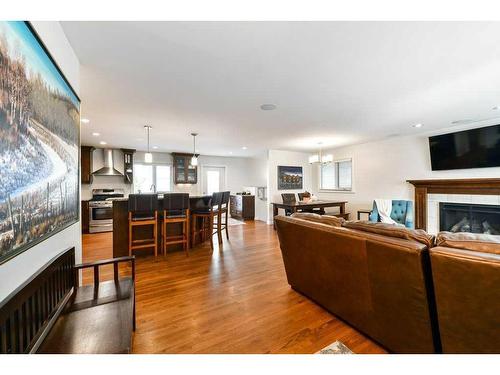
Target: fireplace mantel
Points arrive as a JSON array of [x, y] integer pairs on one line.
[[485, 186]]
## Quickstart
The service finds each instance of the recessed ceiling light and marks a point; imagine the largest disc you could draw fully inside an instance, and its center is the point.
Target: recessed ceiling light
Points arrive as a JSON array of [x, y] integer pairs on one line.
[[417, 125], [230, 152], [244, 147], [155, 147], [96, 134], [268, 107], [85, 120], [103, 143]]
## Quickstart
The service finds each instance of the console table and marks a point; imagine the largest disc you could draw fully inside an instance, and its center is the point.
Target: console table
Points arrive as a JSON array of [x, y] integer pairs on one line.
[[242, 207]]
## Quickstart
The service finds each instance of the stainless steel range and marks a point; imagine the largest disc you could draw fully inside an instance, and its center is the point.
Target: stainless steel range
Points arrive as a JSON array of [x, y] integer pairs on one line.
[[101, 209]]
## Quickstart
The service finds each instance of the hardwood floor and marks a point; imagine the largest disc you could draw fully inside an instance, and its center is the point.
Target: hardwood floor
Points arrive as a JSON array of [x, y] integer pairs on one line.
[[233, 300]]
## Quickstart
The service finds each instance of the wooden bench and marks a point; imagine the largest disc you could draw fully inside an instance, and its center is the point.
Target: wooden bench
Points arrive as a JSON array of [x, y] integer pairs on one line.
[[51, 313]]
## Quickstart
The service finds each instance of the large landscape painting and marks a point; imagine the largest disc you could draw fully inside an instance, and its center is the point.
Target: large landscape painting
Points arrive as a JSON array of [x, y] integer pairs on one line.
[[39, 143]]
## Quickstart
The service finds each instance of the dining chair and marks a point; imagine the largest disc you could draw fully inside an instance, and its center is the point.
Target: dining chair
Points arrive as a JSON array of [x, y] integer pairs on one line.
[[288, 198]]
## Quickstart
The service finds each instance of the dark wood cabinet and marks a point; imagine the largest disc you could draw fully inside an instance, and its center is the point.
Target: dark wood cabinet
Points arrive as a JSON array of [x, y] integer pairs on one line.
[[184, 173], [85, 217], [242, 207], [128, 165], [86, 164]]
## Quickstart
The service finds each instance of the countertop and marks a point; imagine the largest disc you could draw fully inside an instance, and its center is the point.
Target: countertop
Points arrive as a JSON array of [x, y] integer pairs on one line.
[[160, 196]]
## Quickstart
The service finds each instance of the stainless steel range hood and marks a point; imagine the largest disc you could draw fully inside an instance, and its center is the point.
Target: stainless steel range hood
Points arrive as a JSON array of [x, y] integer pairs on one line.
[[109, 167]]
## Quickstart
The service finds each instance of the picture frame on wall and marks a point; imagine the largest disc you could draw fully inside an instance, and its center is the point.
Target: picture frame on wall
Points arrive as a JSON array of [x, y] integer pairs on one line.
[[39, 142], [290, 178]]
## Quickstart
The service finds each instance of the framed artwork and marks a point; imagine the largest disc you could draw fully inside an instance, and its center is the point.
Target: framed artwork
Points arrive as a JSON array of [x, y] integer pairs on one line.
[[289, 178], [39, 142]]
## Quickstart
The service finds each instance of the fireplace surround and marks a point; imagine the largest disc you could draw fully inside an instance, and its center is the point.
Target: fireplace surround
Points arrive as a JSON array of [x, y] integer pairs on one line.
[[477, 186]]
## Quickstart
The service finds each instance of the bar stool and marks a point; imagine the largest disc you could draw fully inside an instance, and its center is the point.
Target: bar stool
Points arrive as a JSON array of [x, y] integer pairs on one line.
[[207, 215], [142, 211], [175, 210], [223, 209]]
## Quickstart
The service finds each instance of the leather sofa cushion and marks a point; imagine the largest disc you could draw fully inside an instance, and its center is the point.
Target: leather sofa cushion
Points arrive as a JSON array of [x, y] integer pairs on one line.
[[485, 243], [391, 230], [322, 219]]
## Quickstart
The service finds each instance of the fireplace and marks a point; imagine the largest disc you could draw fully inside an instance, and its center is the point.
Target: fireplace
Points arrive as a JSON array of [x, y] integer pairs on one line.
[[466, 217], [471, 189]]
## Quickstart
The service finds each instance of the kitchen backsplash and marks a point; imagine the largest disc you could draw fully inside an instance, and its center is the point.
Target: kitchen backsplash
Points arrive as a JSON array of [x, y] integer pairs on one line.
[[105, 182], [116, 182]]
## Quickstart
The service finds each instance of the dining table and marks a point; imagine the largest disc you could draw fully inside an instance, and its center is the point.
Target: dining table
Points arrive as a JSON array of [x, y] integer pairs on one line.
[[309, 205]]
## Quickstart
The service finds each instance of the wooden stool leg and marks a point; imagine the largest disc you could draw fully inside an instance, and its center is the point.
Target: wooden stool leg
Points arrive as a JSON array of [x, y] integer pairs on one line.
[[219, 227], [186, 236], [203, 229], [130, 234], [187, 231], [225, 225], [155, 234], [193, 231], [211, 223], [164, 238]]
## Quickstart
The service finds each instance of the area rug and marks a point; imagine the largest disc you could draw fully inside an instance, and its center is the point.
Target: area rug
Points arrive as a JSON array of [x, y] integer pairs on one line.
[[336, 348]]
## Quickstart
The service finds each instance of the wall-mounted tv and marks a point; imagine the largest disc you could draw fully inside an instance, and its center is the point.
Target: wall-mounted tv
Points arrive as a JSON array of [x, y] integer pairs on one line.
[[475, 148]]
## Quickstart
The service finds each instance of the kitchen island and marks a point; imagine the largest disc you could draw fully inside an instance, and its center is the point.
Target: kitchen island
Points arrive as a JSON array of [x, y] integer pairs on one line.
[[120, 225]]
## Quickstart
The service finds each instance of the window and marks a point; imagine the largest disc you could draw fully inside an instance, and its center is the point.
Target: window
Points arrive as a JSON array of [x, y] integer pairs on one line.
[[336, 175], [143, 178], [152, 178], [163, 178]]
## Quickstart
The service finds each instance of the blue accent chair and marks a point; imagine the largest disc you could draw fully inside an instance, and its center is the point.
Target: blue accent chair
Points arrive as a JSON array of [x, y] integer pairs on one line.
[[402, 213]]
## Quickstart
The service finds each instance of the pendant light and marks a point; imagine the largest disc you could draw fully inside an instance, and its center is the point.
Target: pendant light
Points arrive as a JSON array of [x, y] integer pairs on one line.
[[148, 156], [194, 159], [320, 158]]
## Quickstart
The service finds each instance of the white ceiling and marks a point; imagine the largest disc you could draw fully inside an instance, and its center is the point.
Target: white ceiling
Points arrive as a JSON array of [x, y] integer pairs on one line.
[[336, 82]]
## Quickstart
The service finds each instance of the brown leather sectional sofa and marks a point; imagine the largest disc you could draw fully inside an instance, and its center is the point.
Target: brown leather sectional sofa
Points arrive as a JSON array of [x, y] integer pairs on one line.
[[383, 281]]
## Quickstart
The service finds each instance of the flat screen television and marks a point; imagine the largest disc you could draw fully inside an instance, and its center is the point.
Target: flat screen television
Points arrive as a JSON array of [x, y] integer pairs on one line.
[[474, 148]]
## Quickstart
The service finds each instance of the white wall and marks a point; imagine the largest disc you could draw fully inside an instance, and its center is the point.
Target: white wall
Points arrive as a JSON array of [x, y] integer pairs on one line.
[[380, 170], [259, 169], [17, 270], [288, 158], [238, 171]]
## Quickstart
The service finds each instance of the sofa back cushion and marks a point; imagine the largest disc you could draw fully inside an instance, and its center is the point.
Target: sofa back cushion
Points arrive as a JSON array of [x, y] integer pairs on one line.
[[391, 230], [322, 219], [485, 243]]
